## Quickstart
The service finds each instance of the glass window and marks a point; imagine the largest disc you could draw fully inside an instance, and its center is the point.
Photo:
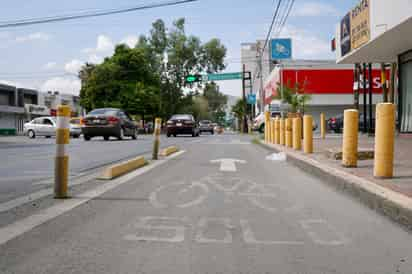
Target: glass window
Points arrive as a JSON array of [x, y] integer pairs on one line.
[[47, 122], [104, 111]]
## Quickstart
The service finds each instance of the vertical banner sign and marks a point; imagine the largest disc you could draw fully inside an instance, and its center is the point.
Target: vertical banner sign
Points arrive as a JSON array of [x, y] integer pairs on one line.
[[345, 36], [360, 24]]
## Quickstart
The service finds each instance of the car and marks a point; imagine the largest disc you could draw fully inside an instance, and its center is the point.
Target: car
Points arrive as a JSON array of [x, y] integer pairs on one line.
[[42, 126], [75, 127], [108, 122], [206, 126], [336, 123], [182, 124]]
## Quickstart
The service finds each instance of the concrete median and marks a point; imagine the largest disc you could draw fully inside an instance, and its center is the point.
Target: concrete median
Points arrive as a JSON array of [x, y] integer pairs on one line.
[[122, 168], [169, 150]]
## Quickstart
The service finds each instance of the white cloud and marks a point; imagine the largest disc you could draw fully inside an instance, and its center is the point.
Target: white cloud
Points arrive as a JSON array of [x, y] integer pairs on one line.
[[307, 45], [41, 36], [310, 9], [73, 66], [63, 85], [104, 47], [104, 44], [49, 65], [130, 41]]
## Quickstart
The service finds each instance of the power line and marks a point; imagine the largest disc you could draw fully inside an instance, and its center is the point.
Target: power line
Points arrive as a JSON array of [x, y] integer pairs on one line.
[[292, 2], [271, 26], [42, 20]]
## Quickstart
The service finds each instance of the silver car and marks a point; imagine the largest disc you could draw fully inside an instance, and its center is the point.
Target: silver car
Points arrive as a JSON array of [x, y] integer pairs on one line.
[[46, 126], [43, 126]]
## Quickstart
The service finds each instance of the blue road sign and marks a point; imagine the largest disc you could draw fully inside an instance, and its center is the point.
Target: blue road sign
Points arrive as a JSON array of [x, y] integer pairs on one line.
[[281, 49], [251, 99]]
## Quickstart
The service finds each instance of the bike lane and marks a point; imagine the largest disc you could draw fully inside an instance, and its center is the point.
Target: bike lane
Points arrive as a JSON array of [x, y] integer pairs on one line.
[[196, 215]]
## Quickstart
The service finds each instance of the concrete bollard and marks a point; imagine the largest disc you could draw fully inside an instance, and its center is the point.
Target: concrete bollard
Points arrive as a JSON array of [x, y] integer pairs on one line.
[[288, 132], [272, 131], [277, 131], [297, 133], [384, 140], [282, 131], [267, 118], [350, 138], [61, 164], [156, 142], [322, 126], [308, 134]]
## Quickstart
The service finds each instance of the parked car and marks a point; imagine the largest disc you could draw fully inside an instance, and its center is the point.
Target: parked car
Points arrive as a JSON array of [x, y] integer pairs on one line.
[[182, 124], [108, 122], [336, 123], [75, 127], [43, 126], [206, 126]]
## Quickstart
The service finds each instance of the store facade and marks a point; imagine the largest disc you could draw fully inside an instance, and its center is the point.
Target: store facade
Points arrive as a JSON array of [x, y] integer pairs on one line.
[[379, 32]]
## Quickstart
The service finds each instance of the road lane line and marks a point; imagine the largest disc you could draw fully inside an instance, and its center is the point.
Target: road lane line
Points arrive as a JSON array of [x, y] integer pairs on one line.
[[20, 227]]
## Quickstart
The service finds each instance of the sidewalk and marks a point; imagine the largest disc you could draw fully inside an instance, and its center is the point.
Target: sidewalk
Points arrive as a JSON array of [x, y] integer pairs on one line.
[[389, 196]]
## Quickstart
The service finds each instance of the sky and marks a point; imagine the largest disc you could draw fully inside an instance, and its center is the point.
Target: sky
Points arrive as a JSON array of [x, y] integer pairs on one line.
[[48, 56]]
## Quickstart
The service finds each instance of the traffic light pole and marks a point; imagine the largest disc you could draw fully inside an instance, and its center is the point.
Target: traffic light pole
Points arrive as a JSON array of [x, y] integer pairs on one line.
[[244, 122]]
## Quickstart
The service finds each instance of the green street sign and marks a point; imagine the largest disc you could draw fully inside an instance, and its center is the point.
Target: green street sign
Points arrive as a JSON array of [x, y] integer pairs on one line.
[[224, 76]]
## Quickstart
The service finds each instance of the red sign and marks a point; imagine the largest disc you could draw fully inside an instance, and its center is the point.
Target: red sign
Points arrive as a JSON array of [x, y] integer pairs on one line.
[[322, 81]]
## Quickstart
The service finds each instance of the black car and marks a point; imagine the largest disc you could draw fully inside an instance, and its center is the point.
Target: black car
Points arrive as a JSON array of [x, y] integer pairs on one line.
[[206, 126], [336, 123], [108, 122], [182, 124]]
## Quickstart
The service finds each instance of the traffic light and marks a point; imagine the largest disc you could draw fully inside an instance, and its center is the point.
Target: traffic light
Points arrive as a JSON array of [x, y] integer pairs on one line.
[[192, 78]]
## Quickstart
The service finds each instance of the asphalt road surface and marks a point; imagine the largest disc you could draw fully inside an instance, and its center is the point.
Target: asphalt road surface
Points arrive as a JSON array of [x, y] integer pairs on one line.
[[218, 208], [26, 162]]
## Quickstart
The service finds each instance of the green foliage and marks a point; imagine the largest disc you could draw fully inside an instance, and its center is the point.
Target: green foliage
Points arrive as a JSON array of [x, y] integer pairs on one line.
[[294, 96], [148, 79], [217, 102]]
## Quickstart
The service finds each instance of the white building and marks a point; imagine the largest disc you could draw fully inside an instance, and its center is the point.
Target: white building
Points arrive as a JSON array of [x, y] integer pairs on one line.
[[380, 31]]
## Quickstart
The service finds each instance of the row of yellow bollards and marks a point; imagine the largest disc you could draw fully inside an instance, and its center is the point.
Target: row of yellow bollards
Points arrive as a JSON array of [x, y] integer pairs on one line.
[[384, 140], [288, 132]]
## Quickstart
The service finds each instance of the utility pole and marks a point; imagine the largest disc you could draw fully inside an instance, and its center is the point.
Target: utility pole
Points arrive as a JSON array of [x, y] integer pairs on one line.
[[365, 121], [244, 122], [370, 98], [356, 87]]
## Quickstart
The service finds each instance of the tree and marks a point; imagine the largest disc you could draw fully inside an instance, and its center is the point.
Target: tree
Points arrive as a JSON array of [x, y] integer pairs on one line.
[[125, 80], [148, 79], [217, 102], [294, 96], [239, 110]]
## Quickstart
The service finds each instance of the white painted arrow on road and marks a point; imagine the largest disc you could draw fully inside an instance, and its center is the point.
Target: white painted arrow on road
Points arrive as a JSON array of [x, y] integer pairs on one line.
[[228, 165]]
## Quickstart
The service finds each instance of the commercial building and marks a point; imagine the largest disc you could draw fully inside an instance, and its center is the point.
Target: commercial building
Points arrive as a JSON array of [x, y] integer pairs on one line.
[[20, 105], [11, 113], [379, 31], [330, 85], [259, 68]]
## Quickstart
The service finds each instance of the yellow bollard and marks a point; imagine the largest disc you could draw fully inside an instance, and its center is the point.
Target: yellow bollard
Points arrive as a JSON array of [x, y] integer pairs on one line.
[[350, 138], [282, 131], [272, 131], [156, 134], [61, 167], [277, 131], [307, 134], [288, 132], [322, 126], [297, 133], [269, 130], [384, 140], [267, 117]]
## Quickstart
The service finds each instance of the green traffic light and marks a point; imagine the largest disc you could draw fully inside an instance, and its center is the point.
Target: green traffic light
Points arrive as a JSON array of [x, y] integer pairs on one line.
[[191, 78]]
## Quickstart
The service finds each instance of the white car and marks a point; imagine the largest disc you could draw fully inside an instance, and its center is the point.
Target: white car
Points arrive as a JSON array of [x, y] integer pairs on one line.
[[43, 126], [46, 126]]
